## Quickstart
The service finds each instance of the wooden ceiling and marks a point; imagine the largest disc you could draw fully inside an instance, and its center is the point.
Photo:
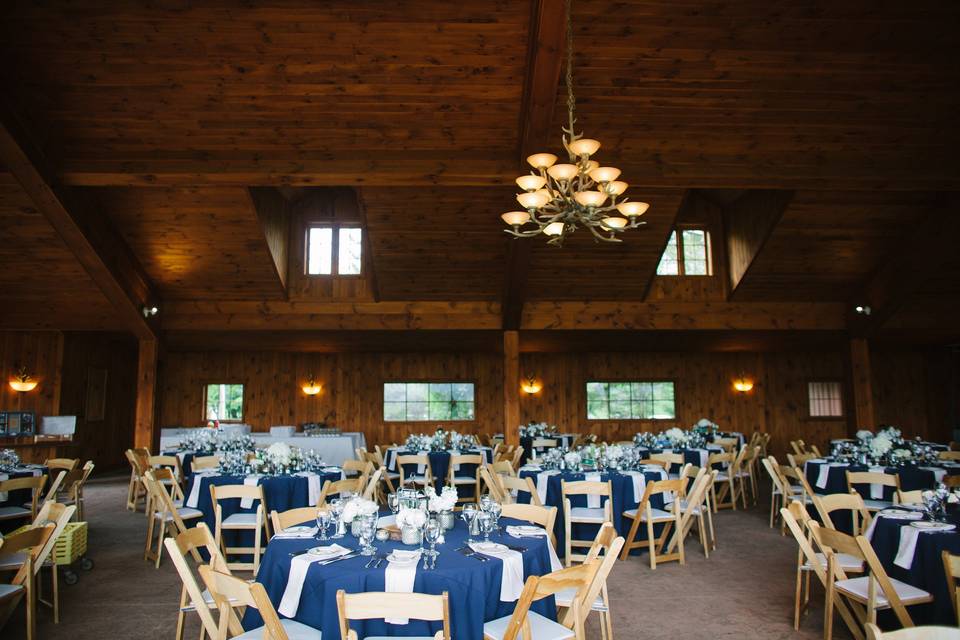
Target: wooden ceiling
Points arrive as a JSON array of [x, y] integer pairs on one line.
[[163, 117]]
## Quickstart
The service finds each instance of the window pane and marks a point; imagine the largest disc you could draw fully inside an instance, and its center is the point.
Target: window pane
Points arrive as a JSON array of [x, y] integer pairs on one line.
[[395, 392], [619, 391], [620, 410], [695, 256], [462, 411], [596, 391], [641, 390], [462, 391], [350, 248], [319, 251], [694, 267], [417, 392], [440, 410], [224, 402], [394, 411], [597, 410], [662, 390], [663, 409], [418, 411], [412, 401], [695, 238], [825, 399], [440, 392], [642, 409], [668, 262]]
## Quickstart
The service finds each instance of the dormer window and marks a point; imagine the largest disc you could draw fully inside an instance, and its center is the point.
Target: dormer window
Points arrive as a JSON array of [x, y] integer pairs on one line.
[[687, 254], [334, 250]]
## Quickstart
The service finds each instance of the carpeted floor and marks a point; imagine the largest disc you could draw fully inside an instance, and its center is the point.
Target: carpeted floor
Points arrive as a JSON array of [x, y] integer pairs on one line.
[[745, 589]]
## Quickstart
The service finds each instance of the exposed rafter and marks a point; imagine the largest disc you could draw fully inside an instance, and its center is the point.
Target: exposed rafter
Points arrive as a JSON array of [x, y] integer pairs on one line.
[[748, 223], [97, 245]]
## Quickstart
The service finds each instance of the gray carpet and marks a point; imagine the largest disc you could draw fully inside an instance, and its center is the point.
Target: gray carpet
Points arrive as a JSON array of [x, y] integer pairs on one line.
[[745, 589]]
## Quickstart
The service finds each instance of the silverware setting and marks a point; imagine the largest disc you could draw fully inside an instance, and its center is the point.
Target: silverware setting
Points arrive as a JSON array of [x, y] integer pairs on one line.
[[346, 557], [470, 553], [375, 561]]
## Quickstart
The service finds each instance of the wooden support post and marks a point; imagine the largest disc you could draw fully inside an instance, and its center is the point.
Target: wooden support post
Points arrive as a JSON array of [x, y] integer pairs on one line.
[[145, 433], [862, 416], [511, 387]]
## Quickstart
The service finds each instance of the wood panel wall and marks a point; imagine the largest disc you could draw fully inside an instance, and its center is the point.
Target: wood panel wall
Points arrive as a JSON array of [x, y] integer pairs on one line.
[[352, 390]]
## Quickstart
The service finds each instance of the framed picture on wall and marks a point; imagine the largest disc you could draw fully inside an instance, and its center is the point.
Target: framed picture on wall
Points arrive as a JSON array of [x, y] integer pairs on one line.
[[96, 404]]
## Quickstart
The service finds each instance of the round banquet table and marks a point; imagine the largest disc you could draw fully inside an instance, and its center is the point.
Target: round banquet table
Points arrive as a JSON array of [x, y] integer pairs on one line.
[[834, 480], [626, 495], [563, 440], [281, 493], [473, 586], [926, 567], [697, 457], [439, 464]]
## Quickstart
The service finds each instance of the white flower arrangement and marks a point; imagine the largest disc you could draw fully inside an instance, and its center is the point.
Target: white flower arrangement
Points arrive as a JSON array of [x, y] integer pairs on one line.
[[572, 459], [891, 433], [445, 501], [536, 430], [613, 452], [356, 507], [417, 442], [901, 454], [676, 436], [863, 435], [438, 441], [279, 453], [703, 423], [880, 445], [411, 518]]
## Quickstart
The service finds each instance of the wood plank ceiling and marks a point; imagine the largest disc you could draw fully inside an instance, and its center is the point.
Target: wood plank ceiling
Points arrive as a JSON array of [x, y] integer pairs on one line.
[[167, 114]]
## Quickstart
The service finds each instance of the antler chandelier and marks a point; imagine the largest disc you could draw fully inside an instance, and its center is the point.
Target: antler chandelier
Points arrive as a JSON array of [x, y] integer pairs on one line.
[[558, 198]]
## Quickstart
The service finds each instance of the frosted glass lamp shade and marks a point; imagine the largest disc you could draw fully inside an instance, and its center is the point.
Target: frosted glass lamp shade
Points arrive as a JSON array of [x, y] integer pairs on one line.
[[605, 174], [531, 182], [553, 229], [584, 147], [590, 198], [542, 160], [616, 187], [515, 218], [563, 172], [533, 200], [631, 209], [615, 222]]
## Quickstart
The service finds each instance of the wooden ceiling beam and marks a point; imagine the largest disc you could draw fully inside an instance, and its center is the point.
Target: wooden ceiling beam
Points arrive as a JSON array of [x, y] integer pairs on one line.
[[749, 221], [273, 212], [544, 61], [917, 259], [88, 233]]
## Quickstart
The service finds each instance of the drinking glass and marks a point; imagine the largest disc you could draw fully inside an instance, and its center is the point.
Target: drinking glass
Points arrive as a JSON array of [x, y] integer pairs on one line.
[[336, 511], [393, 501], [468, 514], [368, 529], [495, 509], [486, 524], [485, 502], [323, 522], [431, 533]]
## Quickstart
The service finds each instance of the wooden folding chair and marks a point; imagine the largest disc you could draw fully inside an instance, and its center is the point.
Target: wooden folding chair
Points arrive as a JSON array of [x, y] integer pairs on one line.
[[503, 468], [697, 502], [135, 488], [539, 444], [192, 598], [669, 460], [511, 486], [596, 598], [847, 502], [172, 462], [869, 477], [371, 485], [517, 457], [729, 445], [492, 485], [584, 515], [529, 625], [914, 497], [229, 592], [24, 548], [797, 460], [723, 480], [646, 514], [951, 569], [916, 633], [293, 517], [546, 517], [418, 479], [61, 464], [462, 478], [165, 518], [71, 488], [949, 455], [355, 468], [206, 462], [256, 522], [58, 515], [379, 604], [339, 487], [29, 511]]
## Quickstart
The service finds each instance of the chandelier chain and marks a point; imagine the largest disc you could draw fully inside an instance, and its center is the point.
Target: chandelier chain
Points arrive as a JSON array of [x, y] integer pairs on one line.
[[571, 100]]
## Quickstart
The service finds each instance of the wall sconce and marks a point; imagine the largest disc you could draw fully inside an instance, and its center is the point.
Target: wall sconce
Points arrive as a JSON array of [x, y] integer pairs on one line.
[[149, 311], [743, 384], [531, 385], [311, 388], [22, 381]]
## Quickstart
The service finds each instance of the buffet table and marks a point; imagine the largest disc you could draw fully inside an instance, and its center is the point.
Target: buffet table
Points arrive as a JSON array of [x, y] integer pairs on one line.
[[334, 448]]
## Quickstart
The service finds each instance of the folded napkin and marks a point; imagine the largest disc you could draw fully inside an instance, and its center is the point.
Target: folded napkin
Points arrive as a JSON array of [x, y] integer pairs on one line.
[[250, 481], [703, 458], [292, 535], [299, 566], [182, 455], [890, 516], [194, 498], [824, 475], [511, 582], [542, 479], [391, 460], [399, 577], [639, 484], [313, 487], [876, 490], [908, 546], [4, 496], [529, 531], [593, 502]]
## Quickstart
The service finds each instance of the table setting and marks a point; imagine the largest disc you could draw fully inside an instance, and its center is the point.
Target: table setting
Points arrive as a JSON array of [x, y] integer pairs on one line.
[[12, 467], [438, 447], [909, 540], [542, 431], [480, 558]]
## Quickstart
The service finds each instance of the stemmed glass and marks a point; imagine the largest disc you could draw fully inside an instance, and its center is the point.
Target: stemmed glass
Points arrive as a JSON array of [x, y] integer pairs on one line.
[[486, 524], [393, 501], [431, 532], [495, 509], [368, 528], [336, 510], [468, 514], [323, 522]]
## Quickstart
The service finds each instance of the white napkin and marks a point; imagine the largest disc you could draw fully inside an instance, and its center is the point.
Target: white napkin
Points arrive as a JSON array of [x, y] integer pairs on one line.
[[542, 479], [703, 458], [182, 455], [299, 566], [292, 535], [530, 531], [873, 524], [4, 496], [392, 459], [399, 578], [639, 484], [825, 473], [511, 582], [593, 502], [313, 487], [421, 468], [908, 546], [194, 498], [250, 481], [876, 490]]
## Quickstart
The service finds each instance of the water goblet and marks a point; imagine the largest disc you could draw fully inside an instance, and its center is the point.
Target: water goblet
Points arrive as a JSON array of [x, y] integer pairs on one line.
[[486, 524], [368, 529], [336, 511], [393, 501], [485, 502], [431, 533], [495, 509], [469, 514], [323, 523]]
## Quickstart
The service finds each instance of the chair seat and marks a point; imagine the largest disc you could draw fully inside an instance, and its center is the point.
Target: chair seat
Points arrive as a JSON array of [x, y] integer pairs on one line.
[[419, 479], [795, 490], [877, 505], [239, 520], [295, 631], [10, 591], [541, 628], [588, 514], [695, 511], [659, 515], [13, 561], [743, 474], [10, 513], [185, 514], [464, 480], [393, 474], [722, 477], [846, 561], [858, 588], [565, 599]]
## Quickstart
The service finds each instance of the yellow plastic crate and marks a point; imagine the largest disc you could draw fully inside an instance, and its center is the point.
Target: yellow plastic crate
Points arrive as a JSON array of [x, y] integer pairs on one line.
[[71, 544]]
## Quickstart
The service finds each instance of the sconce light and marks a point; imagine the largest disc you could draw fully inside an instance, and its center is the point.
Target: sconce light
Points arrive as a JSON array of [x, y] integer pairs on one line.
[[149, 311], [743, 384], [862, 309], [311, 388], [22, 381], [531, 385]]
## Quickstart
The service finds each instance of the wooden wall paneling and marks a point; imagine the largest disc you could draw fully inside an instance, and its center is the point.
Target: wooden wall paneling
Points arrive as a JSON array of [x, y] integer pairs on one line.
[[41, 352], [911, 390], [146, 430], [862, 414], [749, 221], [273, 211]]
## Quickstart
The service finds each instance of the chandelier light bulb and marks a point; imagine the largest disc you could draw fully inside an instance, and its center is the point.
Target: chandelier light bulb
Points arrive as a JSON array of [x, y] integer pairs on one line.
[[515, 218], [605, 174], [542, 160], [584, 147], [531, 182], [563, 172], [616, 187], [631, 209], [615, 222], [553, 229], [590, 198], [533, 200]]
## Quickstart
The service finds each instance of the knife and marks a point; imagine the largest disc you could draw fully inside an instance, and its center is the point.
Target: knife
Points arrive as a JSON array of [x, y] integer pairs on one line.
[[338, 559], [470, 553]]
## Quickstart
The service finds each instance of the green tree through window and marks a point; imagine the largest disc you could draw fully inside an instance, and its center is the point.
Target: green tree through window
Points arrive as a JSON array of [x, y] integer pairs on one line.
[[428, 401], [225, 402], [631, 401]]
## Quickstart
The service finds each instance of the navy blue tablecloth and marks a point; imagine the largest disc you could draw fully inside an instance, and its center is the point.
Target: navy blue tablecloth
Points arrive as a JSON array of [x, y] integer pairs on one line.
[[926, 571], [439, 465], [473, 586], [563, 440], [690, 456], [911, 478], [623, 499]]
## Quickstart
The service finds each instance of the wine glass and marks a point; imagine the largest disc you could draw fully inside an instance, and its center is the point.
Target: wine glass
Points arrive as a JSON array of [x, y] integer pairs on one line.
[[495, 509], [485, 502], [486, 524], [336, 511], [431, 533], [368, 529], [468, 514], [323, 523], [393, 501]]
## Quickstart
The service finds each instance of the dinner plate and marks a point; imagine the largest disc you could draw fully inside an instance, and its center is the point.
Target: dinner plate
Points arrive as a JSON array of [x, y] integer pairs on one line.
[[297, 529], [898, 513], [327, 552], [403, 558], [526, 529], [489, 547], [933, 526]]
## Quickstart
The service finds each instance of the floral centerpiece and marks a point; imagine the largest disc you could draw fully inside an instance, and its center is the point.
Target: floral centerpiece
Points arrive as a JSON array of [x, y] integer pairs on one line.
[[438, 441], [461, 441], [9, 459], [645, 439], [572, 460], [612, 456], [537, 430], [705, 427], [417, 442], [887, 446], [553, 458], [446, 500], [441, 440], [211, 440]]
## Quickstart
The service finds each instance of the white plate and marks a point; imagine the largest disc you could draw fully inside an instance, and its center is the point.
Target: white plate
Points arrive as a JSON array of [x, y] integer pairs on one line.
[[489, 547], [527, 529], [898, 513], [934, 526], [403, 559], [297, 529], [327, 552]]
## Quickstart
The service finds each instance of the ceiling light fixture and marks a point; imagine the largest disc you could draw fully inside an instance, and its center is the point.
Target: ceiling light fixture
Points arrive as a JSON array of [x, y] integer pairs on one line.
[[558, 198]]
